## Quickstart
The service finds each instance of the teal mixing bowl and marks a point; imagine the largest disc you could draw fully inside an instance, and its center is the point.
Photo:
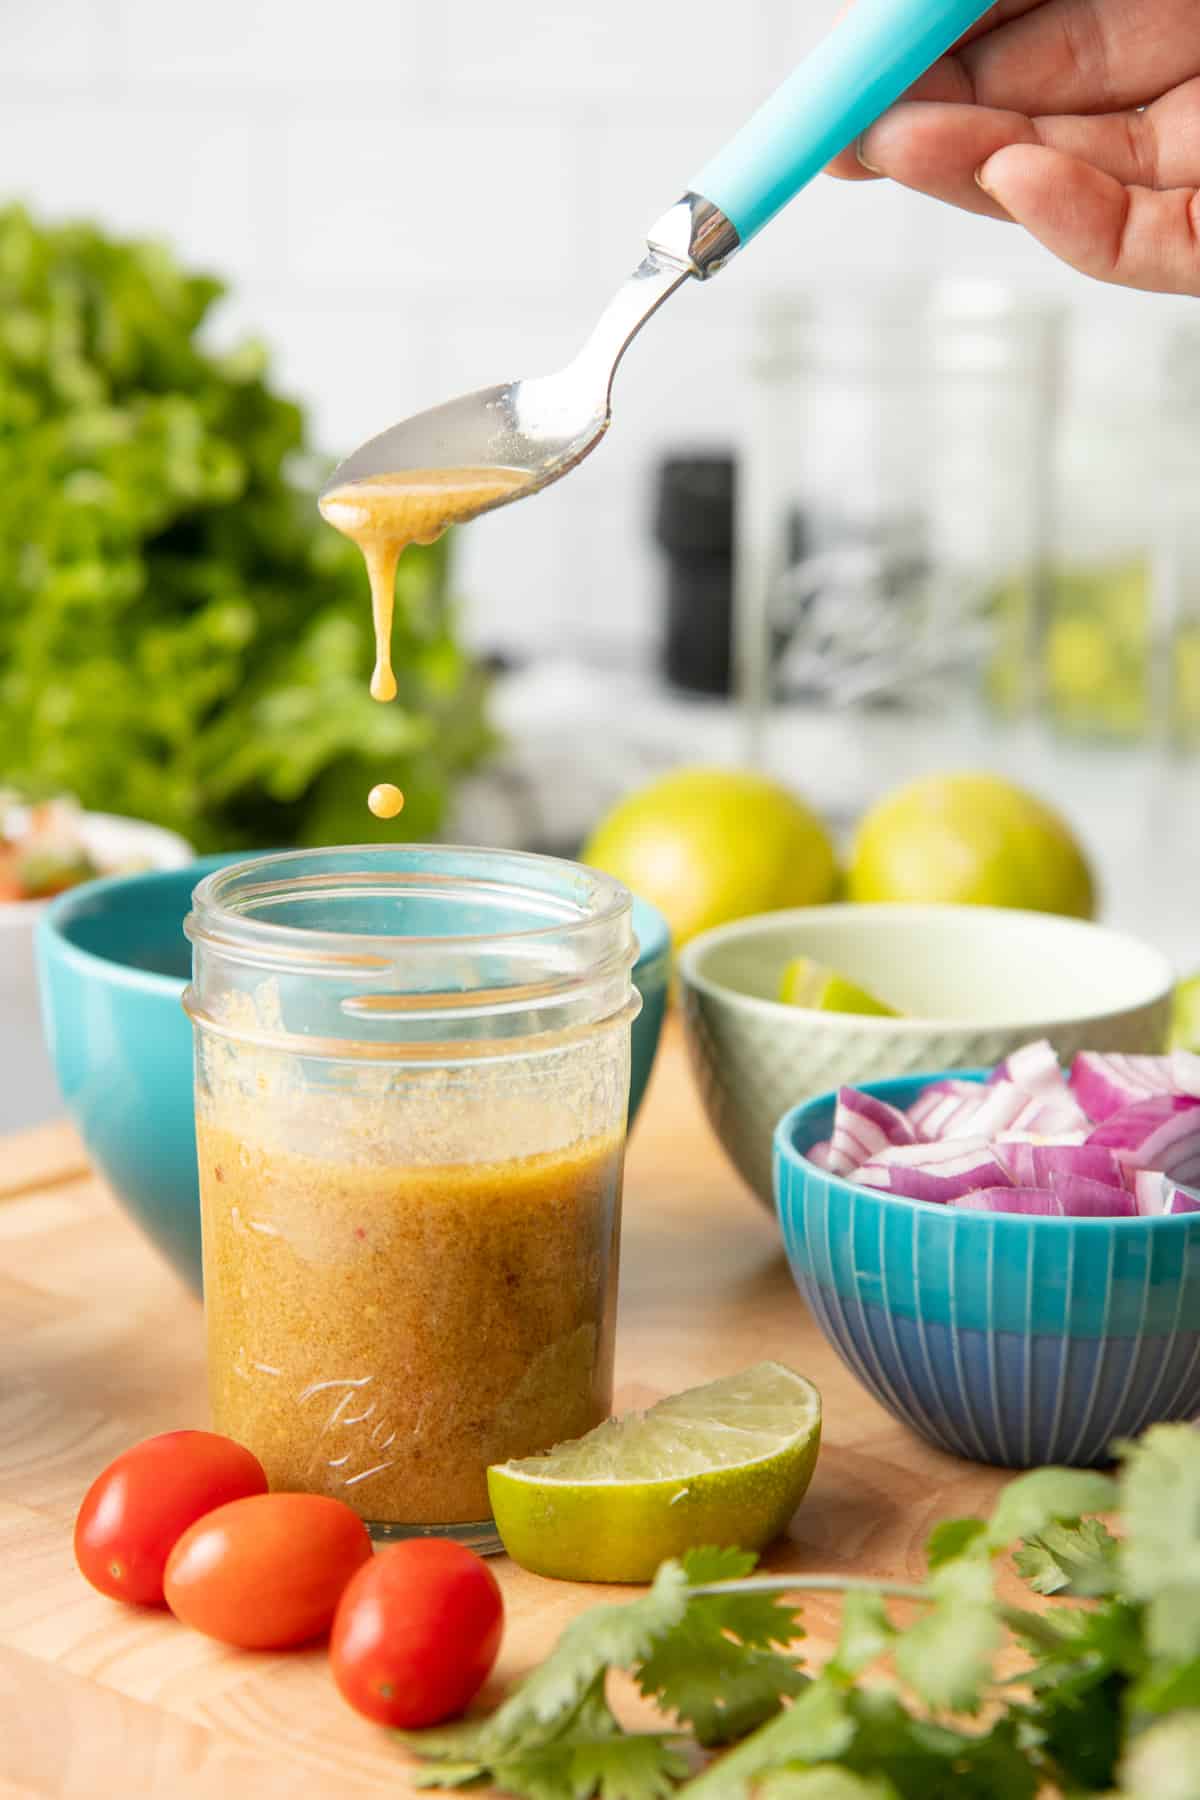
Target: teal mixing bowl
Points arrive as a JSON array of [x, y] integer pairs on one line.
[[1008, 1340], [112, 965]]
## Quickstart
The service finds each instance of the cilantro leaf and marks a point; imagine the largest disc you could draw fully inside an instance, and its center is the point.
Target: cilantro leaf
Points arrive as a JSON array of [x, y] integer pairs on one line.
[[927, 1761], [715, 1562], [716, 1669], [447, 1774], [627, 1766], [720, 1688], [1028, 1505], [826, 1783], [953, 1538], [871, 1734], [1083, 1662], [946, 1656], [1078, 1724], [818, 1728], [1164, 1762], [615, 1765], [584, 1753], [606, 1637], [1070, 1559], [1170, 1687], [866, 1633], [1070, 1638], [1160, 1555]]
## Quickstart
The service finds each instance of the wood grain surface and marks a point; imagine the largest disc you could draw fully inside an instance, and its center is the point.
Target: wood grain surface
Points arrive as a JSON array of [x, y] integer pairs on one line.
[[100, 1345]]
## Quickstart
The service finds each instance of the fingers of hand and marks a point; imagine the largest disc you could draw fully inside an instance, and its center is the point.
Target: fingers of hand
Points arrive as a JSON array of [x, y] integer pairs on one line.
[[937, 149], [945, 83], [1129, 235], [1086, 56], [1157, 148]]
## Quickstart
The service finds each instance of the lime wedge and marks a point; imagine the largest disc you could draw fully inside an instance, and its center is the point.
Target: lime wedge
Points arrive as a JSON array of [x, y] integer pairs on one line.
[[1185, 1019], [808, 983], [727, 1463]]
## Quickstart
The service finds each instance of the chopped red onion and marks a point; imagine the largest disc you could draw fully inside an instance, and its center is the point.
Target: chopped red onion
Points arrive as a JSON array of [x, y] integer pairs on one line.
[[938, 1172], [1104, 1085], [862, 1126], [1085, 1199], [1185, 1071], [1009, 1108], [1034, 1068], [1033, 1164], [1118, 1139], [1151, 1192], [1031, 1203], [1160, 1133], [945, 1108], [819, 1154]]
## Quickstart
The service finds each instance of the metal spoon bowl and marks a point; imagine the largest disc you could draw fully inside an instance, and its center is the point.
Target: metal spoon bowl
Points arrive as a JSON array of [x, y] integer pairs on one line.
[[543, 426]]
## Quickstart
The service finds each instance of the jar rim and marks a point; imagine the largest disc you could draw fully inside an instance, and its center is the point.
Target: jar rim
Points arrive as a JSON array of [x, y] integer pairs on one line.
[[212, 919], [505, 945]]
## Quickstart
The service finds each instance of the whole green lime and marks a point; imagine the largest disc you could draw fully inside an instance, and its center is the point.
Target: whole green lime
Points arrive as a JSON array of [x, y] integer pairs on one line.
[[709, 845], [970, 840]]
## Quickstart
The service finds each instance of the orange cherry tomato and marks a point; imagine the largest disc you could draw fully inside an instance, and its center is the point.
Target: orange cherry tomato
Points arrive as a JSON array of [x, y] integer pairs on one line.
[[133, 1513], [266, 1573], [416, 1633]]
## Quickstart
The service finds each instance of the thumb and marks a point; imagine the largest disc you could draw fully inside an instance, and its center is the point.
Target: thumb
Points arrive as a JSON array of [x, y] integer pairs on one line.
[[1135, 237]]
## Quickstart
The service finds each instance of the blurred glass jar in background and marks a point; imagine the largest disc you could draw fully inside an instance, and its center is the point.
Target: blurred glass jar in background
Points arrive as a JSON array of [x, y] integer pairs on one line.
[[1095, 658], [894, 521], [1175, 685], [1117, 659]]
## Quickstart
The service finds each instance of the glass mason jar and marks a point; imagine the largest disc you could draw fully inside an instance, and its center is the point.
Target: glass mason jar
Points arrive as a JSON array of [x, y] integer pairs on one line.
[[412, 1078]]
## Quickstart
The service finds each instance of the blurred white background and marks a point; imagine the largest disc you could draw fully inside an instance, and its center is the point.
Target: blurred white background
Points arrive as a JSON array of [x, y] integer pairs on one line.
[[414, 199]]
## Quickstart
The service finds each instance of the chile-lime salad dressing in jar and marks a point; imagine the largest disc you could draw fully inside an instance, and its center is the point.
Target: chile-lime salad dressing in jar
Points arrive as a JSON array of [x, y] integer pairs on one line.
[[412, 1076]]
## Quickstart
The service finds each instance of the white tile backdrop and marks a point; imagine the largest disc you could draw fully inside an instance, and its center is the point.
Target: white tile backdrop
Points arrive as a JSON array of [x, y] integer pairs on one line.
[[414, 198]]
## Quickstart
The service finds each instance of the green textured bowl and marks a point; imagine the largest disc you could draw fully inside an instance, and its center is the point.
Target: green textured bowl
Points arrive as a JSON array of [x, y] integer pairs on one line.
[[974, 983]]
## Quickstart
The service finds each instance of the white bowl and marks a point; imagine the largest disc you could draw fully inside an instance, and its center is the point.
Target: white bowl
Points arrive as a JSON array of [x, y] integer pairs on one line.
[[974, 983], [28, 1090]]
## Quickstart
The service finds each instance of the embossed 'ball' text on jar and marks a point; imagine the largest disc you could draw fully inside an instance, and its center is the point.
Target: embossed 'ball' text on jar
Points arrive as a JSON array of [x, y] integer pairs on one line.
[[412, 1076]]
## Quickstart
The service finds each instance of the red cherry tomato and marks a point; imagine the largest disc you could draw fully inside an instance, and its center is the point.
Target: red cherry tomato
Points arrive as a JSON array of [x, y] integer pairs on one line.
[[133, 1513], [416, 1633], [266, 1573]]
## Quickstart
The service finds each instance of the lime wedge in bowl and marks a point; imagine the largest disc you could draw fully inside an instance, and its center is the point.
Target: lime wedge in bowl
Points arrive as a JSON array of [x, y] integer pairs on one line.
[[1185, 1020], [727, 1463], [808, 983]]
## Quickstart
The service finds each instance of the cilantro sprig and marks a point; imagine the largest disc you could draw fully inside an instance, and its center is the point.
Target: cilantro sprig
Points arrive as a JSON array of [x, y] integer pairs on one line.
[[1108, 1703]]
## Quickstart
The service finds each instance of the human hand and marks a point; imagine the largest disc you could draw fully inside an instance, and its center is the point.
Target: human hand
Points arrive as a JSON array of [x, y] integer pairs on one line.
[[1078, 119]]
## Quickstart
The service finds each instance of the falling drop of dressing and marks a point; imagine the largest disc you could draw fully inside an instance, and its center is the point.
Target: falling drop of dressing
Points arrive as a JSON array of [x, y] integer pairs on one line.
[[385, 801], [386, 514]]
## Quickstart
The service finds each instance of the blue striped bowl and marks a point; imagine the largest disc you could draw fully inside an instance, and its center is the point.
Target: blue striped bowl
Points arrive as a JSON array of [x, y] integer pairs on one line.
[[1002, 1339]]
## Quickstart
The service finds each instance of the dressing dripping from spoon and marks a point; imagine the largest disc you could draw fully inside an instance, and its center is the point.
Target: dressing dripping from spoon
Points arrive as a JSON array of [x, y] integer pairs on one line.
[[387, 513]]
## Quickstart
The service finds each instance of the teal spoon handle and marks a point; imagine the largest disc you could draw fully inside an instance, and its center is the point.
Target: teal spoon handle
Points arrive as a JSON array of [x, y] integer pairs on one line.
[[867, 62]]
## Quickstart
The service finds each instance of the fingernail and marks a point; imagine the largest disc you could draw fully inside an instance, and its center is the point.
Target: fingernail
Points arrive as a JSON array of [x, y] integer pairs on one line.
[[860, 150], [981, 178]]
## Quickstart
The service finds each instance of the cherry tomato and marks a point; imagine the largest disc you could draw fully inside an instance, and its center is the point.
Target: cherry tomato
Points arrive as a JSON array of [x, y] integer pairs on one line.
[[266, 1573], [133, 1513], [416, 1633]]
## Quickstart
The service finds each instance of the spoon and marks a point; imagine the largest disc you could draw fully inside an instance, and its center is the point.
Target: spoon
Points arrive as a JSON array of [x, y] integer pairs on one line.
[[544, 427]]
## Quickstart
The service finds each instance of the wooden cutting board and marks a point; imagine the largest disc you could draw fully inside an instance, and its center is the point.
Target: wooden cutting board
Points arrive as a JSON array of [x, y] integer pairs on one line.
[[100, 1345]]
